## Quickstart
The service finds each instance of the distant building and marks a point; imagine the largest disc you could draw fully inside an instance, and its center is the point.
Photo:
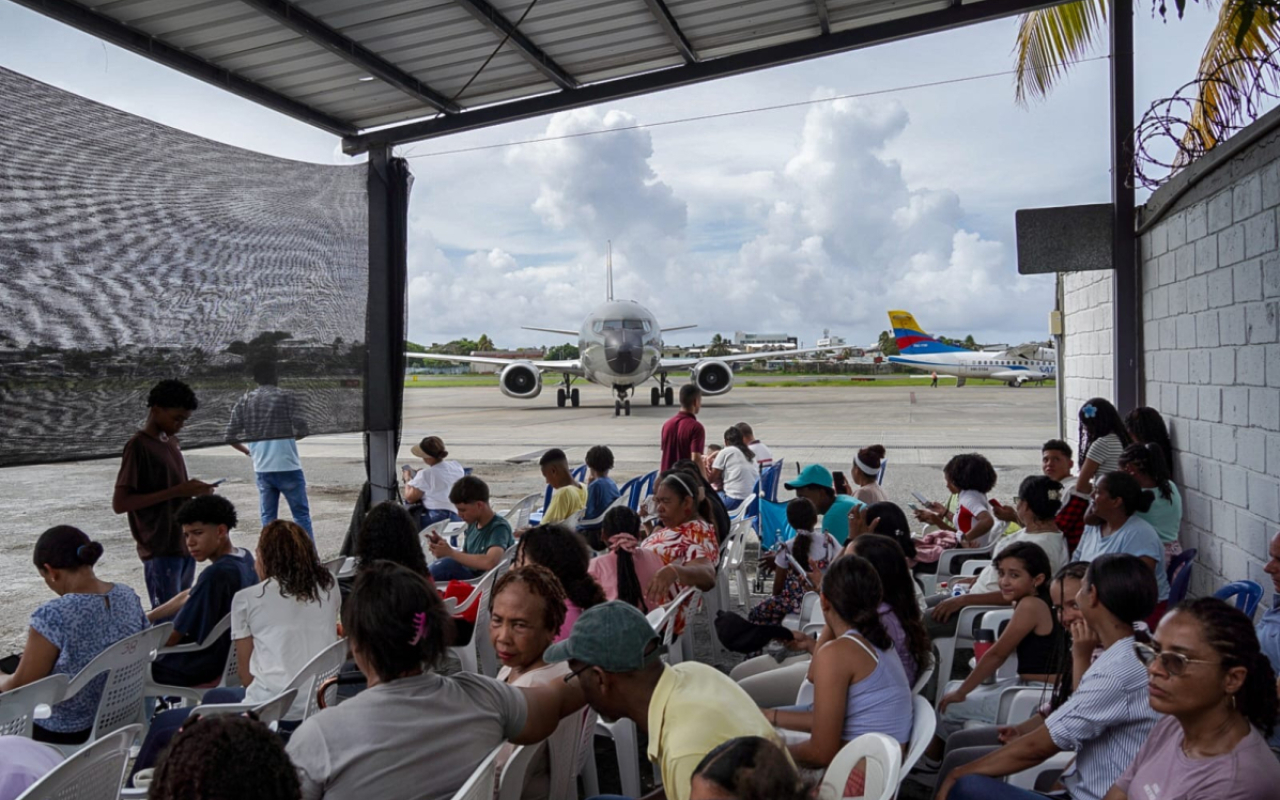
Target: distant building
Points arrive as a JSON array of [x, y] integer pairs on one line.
[[765, 341], [828, 340]]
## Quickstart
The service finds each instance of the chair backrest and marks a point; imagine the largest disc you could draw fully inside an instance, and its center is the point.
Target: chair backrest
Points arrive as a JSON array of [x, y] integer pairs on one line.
[[883, 757], [996, 622], [922, 679], [127, 664], [481, 784], [269, 713], [571, 521], [1020, 703], [774, 528], [95, 772], [924, 723], [1246, 594], [642, 490], [327, 663], [18, 706], [884, 467], [1179, 575], [518, 514], [663, 619], [770, 479], [487, 657], [334, 565]]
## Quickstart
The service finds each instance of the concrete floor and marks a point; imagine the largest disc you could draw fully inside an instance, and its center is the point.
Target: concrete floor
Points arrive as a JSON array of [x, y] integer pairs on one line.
[[920, 427]]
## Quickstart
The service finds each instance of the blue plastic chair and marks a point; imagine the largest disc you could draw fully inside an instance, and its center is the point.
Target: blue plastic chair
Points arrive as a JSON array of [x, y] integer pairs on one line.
[[1179, 574], [774, 528], [770, 480], [1247, 595], [640, 486], [579, 474], [884, 467]]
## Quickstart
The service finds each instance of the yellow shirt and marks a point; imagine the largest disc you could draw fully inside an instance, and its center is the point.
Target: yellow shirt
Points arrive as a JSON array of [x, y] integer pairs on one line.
[[695, 709], [565, 501]]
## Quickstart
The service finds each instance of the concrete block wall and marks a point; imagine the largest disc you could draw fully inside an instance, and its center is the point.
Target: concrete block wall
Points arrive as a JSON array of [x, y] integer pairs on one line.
[[1211, 352], [1087, 369]]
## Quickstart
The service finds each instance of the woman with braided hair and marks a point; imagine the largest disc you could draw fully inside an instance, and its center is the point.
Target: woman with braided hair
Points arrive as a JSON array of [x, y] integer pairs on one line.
[[625, 571], [1207, 673]]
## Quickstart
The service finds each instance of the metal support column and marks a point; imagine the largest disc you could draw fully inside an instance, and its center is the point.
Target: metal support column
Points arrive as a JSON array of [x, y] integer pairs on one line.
[[1127, 312], [384, 373]]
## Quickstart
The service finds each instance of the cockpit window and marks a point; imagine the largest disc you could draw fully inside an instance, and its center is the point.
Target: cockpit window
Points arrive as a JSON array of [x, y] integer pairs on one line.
[[613, 324], [633, 324], [597, 326]]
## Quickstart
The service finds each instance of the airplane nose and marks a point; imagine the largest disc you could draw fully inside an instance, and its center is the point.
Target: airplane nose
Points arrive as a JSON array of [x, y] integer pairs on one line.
[[623, 356]]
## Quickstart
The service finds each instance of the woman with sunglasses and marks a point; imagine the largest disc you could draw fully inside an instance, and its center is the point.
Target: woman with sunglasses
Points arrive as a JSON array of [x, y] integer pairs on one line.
[[1207, 673], [1106, 719]]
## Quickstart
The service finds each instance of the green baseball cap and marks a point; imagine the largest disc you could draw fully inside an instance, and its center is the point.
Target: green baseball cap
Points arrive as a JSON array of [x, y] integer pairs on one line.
[[612, 636], [813, 475]]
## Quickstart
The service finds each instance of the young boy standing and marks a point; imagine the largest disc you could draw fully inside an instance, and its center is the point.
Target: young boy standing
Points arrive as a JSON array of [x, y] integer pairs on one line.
[[150, 486], [487, 536]]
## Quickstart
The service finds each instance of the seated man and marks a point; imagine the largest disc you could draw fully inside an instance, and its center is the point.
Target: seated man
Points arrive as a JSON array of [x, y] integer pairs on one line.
[[206, 526], [815, 484], [1055, 463], [487, 535], [601, 489], [687, 710], [567, 496]]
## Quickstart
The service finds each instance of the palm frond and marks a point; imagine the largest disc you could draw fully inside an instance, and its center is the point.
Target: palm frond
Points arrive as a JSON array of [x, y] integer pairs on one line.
[[1236, 65], [1049, 39]]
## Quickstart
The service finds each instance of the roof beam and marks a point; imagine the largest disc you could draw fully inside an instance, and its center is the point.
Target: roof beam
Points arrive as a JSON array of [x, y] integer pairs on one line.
[[109, 30], [668, 22], [493, 19], [311, 28], [737, 64], [824, 18]]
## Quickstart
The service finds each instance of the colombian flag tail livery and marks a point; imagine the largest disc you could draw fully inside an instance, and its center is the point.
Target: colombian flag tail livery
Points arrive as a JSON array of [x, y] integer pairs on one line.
[[912, 339]]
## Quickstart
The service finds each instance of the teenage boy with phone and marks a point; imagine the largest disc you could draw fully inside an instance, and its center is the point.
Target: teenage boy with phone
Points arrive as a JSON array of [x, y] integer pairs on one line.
[[486, 538]]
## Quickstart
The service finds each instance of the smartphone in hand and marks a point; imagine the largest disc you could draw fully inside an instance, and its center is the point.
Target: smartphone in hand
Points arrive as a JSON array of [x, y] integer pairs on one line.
[[924, 501], [218, 482]]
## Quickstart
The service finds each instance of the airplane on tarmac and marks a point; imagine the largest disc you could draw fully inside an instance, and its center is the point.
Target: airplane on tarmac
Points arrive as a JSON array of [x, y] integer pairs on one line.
[[620, 346], [1015, 366]]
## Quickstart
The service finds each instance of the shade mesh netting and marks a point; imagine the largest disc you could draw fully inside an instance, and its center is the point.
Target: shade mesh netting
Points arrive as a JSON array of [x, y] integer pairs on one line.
[[131, 252]]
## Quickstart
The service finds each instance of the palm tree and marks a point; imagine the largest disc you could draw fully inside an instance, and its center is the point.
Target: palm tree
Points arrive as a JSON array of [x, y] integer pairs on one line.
[[1236, 57]]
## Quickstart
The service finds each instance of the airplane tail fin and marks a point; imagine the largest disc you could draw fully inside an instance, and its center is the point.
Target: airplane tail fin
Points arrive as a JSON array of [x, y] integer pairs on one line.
[[912, 339]]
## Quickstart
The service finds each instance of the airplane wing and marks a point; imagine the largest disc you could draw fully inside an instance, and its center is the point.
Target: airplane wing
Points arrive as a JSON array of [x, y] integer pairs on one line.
[[685, 363], [571, 366], [550, 330], [1026, 351], [679, 328]]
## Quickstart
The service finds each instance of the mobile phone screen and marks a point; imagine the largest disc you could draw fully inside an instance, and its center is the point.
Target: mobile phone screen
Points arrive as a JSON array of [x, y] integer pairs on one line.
[[923, 500]]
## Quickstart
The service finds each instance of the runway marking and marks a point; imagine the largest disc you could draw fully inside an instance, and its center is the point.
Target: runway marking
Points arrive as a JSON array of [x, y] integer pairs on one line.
[[525, 458]]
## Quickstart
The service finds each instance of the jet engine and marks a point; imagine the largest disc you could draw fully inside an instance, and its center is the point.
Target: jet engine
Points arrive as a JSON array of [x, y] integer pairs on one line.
[[712, 377], [520, 380]]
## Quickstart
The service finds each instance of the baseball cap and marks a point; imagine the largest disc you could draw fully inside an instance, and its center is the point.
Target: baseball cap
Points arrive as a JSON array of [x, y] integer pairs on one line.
[[430, 446], [613, 636], [813, 475]]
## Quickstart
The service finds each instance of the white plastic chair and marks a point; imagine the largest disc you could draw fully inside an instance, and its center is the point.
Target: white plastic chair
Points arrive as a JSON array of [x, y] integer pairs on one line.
[[883, 757], [1051, 767], [478, 656], [924, 723], [805, 617], [621, 501], [230, 674], [96, 772], [326, 664], [424, 536], [269, 713], [565, 747], [922, 680], [947, 646], [482, 782], [123, 701], [664, 620], [735, 564], [335, 565], [572, 521], [518, 515], [627, 748], [948, 566], [18, 706], [995, 621]]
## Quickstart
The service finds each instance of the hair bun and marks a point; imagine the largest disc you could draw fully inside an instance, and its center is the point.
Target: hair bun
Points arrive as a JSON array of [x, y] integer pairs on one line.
[[89, 553]]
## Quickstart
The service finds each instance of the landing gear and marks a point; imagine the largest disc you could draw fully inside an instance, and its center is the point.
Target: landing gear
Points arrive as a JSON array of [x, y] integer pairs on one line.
[[662, 392], [566, 395], [573, 398], [655, 396], [622, 406], [671, 396], [560, 397]]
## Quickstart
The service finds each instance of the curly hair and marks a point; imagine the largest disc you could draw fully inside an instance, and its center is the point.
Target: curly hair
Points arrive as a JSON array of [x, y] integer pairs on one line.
[[540, 582], [971, 471], [1146, 426], [225, 757], [566, 554], [752, 768], [1232, 635], [854, 590], [211, 509], [172, 394], [599, 458], [396, 620], [288, 555], [885, 554], [390, 534]]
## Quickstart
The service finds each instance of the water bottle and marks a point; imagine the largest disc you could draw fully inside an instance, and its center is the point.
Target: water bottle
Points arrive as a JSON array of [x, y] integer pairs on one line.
[[982, 642]]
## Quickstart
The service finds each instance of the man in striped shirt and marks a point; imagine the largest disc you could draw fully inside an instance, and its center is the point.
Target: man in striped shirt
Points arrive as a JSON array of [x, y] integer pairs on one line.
[[1108, 716]]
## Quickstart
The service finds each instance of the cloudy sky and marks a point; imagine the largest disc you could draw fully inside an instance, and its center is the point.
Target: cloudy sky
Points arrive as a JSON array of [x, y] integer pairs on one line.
[[796, 220]]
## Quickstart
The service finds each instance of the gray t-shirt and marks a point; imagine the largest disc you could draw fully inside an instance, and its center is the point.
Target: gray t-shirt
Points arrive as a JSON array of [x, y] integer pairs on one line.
[[414, 738]]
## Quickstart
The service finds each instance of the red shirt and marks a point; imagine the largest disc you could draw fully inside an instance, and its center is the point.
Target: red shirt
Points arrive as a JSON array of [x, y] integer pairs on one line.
[[682, 436]]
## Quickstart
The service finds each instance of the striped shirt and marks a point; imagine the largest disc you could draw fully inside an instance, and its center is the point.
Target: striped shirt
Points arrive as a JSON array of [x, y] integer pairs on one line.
[[1105, 452], [1105, 722]]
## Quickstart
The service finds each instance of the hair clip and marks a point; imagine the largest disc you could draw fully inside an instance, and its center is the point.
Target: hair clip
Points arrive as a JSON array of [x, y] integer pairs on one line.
[[1054, 494], [1090, 411], [419, 627]]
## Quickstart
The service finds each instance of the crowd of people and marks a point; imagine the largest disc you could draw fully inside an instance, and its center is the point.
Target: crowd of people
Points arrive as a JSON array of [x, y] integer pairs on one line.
[[1153, 702]]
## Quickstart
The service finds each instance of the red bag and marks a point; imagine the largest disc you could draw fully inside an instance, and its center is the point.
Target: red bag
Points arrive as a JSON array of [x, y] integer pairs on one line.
[[460, 591]]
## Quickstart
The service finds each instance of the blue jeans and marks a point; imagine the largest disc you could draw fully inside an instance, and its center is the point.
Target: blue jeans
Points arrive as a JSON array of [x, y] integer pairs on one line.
[[446, 569], [166, 576], [293, 485], [980, 787], [730, 503], [430, 516]]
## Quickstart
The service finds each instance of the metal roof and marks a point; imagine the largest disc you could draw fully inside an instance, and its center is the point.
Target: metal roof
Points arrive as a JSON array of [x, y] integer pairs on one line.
[[391, 71]]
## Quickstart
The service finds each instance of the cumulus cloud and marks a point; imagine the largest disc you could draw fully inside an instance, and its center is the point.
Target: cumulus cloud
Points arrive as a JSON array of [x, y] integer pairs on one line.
[[831, 237]]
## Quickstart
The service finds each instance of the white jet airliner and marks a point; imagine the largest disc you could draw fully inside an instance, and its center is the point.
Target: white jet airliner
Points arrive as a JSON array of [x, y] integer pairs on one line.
[[1015, 366]]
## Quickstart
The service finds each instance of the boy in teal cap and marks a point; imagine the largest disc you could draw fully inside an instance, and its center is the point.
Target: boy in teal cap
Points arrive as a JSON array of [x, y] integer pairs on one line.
[[687, 710], [815, 484]]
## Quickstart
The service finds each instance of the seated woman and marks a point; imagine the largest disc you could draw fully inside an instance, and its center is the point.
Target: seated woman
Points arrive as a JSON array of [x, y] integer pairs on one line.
[[734, 469], [414, 734], [566, 555], [686, 544], [388, 533], [224, 756], [1146, 463], [866, 468], [711, 507], [527, 610], [625, 571], [1207, 673], [748, 768], [1117, 499], [88, 616], [856, 677], [1033, 635], [796, 561]]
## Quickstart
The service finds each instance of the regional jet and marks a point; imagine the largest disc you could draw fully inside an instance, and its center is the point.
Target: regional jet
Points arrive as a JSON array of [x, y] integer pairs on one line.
[[1015, 366], [619, 346]]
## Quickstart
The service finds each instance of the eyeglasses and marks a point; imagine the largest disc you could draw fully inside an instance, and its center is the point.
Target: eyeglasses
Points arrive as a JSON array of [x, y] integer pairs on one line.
[[577, 672], [1173, 663]]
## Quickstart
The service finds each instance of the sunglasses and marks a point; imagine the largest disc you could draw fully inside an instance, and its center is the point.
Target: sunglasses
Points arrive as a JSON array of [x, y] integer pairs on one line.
[[1175, 664], [577, 672]]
